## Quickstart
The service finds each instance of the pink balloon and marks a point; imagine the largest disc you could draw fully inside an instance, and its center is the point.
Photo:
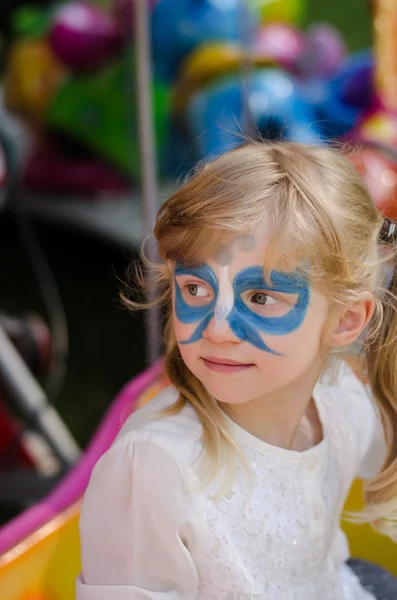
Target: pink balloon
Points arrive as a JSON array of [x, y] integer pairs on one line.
[[83, 36], [281, 43]]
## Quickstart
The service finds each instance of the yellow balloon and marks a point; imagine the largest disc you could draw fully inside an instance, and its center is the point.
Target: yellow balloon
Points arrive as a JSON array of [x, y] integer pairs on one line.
[[208, 62], [211, 60], [286, 11], [32, 76]]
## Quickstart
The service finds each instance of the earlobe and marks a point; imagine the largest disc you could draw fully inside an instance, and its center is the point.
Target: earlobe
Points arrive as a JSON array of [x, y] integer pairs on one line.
[[352, 321]]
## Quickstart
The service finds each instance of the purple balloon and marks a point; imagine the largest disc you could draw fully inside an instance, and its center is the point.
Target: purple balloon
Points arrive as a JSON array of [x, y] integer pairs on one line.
[[83, 36], [325, 51]]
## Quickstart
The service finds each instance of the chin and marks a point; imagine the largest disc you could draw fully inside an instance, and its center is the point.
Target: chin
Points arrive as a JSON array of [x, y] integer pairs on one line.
[[228, 390]]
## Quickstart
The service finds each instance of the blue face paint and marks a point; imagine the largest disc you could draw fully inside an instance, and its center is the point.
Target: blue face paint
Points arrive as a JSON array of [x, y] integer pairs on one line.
[[192, 314], [244, 322]]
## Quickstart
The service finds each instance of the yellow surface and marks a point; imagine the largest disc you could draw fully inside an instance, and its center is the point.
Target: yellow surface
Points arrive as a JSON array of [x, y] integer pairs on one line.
[[364, 541], [45, 566]]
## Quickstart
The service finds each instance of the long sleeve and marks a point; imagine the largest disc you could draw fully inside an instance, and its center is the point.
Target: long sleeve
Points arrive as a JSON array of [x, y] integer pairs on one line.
[[139, 526]]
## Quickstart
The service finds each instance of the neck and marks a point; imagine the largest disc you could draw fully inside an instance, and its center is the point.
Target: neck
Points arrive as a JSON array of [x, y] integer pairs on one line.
[[286, 417]]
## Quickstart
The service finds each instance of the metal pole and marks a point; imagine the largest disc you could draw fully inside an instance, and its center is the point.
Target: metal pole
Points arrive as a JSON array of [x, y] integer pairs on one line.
[[148, 168], [25, 392]]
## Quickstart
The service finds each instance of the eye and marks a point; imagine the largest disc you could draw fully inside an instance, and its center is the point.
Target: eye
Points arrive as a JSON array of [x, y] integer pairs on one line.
[[196, 293], [262, 299], [197, 290]]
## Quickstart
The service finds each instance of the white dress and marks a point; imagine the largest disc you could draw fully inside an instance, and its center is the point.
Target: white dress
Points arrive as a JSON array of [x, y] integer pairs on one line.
[[147, 534]]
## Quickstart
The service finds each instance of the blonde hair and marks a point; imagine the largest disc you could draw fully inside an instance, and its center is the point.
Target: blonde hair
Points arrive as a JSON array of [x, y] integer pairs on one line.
[[322, 216]]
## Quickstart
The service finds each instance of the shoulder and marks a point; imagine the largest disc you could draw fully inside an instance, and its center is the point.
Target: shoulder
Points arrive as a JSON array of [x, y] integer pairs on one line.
[[140, 495], [150, 450], [345, 390], [178, 434], [351, 409]]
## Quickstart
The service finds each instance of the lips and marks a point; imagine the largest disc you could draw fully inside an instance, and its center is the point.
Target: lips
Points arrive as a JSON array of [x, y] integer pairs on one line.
[[225, 361], [225, 365]]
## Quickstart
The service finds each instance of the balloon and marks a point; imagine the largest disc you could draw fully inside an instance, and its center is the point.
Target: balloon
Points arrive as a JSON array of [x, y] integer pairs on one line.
[[380, 126], [324, 51], [281, 43], [211, 60], [215, 116], [203, 65], [349, 95], [83, 36], [285, 11], [179, 26], [32, 78], [379, 170]]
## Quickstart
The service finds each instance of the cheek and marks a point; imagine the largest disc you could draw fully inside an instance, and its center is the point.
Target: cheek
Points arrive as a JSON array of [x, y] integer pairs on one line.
[[188, 352], [190, 358], [303, 344]]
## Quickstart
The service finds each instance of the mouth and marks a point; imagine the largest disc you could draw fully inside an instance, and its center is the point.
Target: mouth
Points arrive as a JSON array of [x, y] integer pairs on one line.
[[225, 365]]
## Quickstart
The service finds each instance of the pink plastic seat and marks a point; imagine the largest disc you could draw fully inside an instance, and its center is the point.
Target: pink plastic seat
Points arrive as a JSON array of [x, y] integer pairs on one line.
[[72, 487]]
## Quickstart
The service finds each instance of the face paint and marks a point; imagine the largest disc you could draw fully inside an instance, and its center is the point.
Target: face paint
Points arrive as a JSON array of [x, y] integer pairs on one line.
[[243, 321], [247, 242], [225, 300], [192, 314], [223, 258]]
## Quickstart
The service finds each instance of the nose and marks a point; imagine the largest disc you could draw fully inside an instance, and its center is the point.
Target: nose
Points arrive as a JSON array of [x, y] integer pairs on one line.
[[219, 332]]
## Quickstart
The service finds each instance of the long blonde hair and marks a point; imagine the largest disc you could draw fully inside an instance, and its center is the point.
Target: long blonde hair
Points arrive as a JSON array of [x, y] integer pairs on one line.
[[323, 217]]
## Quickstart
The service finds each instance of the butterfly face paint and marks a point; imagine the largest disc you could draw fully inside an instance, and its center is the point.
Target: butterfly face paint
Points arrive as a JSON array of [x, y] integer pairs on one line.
[[193, 314], [243, 321], [225, 300]]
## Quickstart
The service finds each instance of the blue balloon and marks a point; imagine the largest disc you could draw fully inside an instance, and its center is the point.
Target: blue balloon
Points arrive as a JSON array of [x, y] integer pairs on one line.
[[216, 115], [348, 95], [178, 26]]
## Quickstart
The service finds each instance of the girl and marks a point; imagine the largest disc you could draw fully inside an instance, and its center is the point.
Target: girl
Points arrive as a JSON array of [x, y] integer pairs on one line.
[[229, 485]]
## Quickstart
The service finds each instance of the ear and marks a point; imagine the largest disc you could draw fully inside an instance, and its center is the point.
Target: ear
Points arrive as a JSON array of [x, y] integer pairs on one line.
[[352, 320]]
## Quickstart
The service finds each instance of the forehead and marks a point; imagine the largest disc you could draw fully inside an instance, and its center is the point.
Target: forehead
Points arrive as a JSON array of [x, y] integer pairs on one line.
[[242, 251]]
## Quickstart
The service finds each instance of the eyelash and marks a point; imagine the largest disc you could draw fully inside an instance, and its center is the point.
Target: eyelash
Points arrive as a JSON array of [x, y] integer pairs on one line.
[[189, 285], [263, 293]]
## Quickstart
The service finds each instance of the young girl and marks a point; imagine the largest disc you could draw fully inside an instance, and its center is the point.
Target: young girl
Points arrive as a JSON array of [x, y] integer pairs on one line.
[[230, 484]]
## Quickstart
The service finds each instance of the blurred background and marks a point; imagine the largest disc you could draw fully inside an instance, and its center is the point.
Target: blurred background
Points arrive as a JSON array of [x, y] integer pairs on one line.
[[83, 86]]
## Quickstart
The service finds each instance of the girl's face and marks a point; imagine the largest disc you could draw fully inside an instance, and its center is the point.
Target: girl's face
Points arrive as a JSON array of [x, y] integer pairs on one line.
[[239, 336]]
